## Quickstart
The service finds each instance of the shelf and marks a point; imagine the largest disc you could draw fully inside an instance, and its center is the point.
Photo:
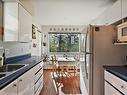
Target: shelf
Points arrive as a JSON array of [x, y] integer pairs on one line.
[[120, 43]]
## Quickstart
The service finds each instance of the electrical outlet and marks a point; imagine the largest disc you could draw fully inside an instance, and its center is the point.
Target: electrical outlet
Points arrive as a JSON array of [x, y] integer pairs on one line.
[[22, 49]]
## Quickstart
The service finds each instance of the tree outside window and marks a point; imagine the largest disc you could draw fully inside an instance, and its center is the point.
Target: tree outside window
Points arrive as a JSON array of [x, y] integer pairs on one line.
[[64, 42]]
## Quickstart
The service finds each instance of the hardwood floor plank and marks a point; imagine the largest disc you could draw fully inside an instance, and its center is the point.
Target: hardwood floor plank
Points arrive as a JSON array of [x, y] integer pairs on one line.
[[69, 85]]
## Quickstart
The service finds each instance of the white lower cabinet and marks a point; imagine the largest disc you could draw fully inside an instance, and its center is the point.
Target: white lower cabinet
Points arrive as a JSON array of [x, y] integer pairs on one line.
[[114, 85], [26, 84], [110, 90], [11, 89], [38, 79]]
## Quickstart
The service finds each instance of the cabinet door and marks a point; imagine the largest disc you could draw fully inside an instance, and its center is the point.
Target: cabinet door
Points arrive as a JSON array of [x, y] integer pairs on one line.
[[124, 8], [10, 21], [25, 25], [26, 83], [109, 90], [11, 89], [112, 14]]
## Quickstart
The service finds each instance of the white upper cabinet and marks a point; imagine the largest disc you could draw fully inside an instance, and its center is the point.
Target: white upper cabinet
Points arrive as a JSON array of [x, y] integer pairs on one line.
[[124, 8], [25, 25], [17, 23], [10, 21], [114, 13]]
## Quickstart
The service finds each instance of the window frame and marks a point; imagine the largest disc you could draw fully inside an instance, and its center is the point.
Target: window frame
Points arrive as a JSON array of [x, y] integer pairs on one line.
[[63, 33]]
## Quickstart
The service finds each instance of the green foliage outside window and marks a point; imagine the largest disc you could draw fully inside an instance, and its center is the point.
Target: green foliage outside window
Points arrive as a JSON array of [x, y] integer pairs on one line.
[[64, 42]]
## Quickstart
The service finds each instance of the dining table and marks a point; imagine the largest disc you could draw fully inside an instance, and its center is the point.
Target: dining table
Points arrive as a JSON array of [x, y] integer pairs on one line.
[[69, 61]]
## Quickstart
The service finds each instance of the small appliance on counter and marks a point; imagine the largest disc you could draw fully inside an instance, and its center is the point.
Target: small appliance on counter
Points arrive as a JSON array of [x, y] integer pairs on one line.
[[122, 32], [1, 61], [2, 56]]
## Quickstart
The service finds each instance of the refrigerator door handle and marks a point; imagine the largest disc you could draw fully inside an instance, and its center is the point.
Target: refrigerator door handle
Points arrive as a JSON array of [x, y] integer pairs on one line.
[[86, 55]]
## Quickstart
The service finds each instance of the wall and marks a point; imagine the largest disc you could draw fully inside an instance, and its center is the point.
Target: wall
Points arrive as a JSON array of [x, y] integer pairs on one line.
[[46, 29]]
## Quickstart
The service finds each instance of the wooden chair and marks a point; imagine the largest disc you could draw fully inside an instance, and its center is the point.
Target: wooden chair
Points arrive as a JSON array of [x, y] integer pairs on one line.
[[53, 66], [55, 73], [77, 58], [73, 70]]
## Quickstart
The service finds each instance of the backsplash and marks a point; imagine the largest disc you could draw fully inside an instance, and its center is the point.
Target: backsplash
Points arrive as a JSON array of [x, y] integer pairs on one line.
[[16, 48]]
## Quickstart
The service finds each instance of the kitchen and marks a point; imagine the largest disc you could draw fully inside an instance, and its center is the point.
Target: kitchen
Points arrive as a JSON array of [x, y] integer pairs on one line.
[[49, 49]]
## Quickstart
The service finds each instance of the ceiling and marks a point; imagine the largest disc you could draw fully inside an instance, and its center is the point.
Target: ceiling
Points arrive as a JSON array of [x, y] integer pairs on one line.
[[69, 12]]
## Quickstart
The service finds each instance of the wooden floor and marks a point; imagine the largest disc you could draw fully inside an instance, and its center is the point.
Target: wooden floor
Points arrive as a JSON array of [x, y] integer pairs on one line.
[[70, 85]]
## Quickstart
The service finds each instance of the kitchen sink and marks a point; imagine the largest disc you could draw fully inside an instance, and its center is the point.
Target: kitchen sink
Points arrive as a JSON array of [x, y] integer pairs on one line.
[[11, 67], [2, 75]]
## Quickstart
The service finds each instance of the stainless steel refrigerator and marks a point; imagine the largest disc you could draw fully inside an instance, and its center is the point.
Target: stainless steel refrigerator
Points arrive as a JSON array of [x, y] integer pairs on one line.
[[99, 50]]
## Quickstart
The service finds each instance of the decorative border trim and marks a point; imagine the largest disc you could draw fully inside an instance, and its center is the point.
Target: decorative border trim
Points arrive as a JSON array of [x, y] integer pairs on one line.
[[17, 58]]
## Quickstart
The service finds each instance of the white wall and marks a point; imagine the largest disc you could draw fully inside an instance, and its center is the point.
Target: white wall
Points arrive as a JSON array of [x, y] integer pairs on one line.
[[68, 12], [46, 29]]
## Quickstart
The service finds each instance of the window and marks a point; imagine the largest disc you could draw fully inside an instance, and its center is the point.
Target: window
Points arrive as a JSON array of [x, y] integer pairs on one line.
[[64, 42]]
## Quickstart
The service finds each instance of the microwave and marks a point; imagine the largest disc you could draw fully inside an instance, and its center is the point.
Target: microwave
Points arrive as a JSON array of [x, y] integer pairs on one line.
[[122, 32]]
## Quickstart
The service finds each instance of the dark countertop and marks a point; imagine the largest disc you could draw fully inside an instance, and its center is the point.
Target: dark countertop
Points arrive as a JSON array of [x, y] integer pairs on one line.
[[32, 61], [119, 71]]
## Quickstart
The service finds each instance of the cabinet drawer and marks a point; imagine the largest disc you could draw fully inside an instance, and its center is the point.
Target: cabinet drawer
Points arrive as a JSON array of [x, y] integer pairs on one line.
[[38, 84], [39, 90], [118, 83], [109, 90], [38, 67], [38, 74]]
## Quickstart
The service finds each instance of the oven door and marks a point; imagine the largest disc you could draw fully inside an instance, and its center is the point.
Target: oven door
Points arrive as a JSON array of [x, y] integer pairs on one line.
[[122, 32], [110, 90]]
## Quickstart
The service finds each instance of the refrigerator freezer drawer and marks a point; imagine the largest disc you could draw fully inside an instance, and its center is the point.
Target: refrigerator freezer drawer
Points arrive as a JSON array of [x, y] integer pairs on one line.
[[118, 83]]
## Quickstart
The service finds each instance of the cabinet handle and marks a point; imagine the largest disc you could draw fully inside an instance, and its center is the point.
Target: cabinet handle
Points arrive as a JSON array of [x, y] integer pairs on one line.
[[122, 86], [20, 80], [14, 85]]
